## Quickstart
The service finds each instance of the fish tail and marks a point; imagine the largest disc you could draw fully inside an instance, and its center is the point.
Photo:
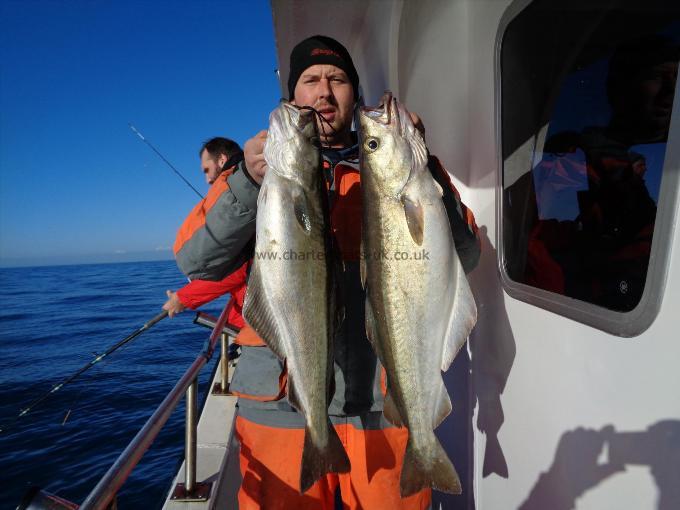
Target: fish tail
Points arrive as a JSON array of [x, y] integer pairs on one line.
[[429, 467], [494, 460], [318, 460]]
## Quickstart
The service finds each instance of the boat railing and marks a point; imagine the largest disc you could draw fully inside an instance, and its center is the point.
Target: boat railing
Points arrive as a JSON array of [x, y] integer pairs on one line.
[[103, 496]]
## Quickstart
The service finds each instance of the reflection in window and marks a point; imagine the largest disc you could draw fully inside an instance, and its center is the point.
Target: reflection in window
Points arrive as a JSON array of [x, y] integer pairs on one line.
[[579, 222]]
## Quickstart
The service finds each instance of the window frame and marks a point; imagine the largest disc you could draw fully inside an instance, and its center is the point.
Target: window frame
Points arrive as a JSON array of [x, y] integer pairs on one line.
[[624, 324]]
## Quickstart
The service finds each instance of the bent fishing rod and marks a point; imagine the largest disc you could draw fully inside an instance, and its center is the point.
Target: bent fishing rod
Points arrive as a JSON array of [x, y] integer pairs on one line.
[[141, 136], [87, 366]]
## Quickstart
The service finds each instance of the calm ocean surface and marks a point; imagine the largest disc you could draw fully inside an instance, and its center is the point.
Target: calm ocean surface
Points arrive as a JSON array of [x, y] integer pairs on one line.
[[52, 321]]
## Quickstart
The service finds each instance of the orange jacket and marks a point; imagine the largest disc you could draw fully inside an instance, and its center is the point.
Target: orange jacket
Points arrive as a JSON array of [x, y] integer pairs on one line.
[[199, 291]]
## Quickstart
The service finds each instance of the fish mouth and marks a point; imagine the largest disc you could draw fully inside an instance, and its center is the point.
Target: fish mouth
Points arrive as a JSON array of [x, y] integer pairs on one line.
[[299, 117], [384, 112]]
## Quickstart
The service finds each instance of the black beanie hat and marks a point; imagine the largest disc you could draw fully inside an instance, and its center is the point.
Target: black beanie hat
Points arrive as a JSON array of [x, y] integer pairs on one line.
[[320, 49]]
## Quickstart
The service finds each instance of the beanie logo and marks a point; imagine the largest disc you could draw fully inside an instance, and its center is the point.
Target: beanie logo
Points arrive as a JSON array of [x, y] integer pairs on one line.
[[322, 51]]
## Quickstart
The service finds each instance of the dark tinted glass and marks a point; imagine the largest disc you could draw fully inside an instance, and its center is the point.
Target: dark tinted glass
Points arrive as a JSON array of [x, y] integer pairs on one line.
[[587, 93]]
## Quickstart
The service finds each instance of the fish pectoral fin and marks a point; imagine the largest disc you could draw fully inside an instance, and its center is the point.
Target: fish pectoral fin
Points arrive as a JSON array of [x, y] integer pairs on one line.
[[302, 211], [415, 218], [391, 412], [258, 312]]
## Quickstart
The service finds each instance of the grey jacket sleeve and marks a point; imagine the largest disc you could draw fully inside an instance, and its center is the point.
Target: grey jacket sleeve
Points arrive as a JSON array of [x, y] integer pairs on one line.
[[221, 245]]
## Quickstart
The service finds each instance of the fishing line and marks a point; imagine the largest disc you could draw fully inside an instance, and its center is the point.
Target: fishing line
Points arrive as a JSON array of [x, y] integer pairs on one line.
[[135, 131], [322, 121], [74, 402], [86, 367], [93, 377]]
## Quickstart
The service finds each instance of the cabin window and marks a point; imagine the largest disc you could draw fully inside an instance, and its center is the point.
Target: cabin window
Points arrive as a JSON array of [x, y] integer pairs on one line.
[[587, 93]]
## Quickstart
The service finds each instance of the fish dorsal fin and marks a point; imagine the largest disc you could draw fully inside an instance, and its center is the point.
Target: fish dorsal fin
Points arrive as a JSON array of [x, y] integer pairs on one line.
[[301, 209], [415, 218], [259, 313], [462, 317]]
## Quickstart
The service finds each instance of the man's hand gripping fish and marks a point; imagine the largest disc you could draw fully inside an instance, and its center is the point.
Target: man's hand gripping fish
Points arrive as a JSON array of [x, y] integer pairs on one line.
[[291, 299], [419, 307]]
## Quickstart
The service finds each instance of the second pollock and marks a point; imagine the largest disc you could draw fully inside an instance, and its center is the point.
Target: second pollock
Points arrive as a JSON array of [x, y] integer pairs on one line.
[[419, 307]]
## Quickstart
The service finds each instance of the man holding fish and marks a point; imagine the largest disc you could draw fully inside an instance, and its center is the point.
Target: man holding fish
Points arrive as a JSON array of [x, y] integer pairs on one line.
[[312, 387]]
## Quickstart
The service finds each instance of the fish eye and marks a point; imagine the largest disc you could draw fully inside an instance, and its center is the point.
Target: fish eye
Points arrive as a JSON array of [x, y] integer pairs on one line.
[[372, 144]]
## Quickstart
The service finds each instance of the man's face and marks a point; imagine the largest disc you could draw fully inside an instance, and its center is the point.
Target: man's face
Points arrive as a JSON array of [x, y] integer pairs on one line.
[[657, 87], [212, 167], [646, 102], [328, 90]]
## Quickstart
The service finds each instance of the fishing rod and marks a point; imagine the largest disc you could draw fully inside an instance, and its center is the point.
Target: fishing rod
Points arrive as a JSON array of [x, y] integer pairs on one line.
[[87, 366], [141, 136]]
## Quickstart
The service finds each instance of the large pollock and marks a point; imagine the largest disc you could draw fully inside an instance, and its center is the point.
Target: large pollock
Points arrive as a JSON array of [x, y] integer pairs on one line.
[[291, 298], [419, 307]]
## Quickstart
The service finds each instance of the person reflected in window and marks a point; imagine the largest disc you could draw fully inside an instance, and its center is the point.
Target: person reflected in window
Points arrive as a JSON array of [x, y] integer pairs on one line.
[[602, 255]]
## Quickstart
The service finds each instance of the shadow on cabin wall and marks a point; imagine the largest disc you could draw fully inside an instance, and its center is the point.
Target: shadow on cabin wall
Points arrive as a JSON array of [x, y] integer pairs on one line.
[[480, 380], [575, 468]]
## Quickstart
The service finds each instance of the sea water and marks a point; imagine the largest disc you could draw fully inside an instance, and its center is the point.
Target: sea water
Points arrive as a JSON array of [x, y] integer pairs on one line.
[[55, 319]]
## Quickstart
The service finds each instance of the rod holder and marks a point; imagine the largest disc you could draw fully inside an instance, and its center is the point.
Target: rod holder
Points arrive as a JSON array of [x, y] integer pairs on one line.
[[190, 490], [222, 387]]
